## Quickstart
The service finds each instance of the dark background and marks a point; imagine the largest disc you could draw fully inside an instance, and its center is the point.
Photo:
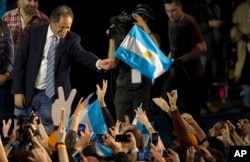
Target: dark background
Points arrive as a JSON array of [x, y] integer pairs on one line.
[[92, 20]]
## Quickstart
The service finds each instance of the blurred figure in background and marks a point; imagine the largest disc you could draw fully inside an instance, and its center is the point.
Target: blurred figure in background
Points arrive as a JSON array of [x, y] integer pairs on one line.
[[240, 33], [209, 16]]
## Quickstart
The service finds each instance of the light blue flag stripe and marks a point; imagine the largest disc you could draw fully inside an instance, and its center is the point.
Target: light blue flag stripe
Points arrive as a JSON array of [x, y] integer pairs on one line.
[[140, 52], [93, 117], [98, 125], [136, 62]]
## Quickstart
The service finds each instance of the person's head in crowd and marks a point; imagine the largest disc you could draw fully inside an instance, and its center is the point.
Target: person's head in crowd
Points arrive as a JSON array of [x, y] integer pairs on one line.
[[137, 134], [61, 20], [217, 154], [214, 155], [20, 155], [214, 143], [173, 9], [28, 7]]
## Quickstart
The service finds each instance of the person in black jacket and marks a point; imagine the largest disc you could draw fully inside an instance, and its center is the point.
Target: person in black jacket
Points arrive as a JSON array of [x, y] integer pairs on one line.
[[6, 66]]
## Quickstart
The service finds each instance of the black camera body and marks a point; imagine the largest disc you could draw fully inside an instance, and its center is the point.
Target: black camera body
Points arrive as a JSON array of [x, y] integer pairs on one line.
[[122, 23], [24, 125]]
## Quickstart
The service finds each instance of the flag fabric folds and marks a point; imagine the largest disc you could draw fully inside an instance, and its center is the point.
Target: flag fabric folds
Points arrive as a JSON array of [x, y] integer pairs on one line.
[[93, 117], [144, 132], [95, 121], [140, 52]]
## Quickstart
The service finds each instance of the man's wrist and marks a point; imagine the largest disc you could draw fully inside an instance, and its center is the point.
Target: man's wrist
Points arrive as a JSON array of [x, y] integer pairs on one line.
[[97, 64], [7, 74]]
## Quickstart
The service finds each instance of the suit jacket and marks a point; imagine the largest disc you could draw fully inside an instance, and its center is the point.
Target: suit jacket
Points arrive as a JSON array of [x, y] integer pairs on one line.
[[30, 54]]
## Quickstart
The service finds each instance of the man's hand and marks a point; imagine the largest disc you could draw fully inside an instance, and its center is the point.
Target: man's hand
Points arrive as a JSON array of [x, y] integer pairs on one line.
[[106, 64], [3, 78], [19, 100]]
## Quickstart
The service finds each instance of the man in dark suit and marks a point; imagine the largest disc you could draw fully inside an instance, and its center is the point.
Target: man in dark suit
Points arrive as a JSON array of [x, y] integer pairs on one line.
[[30, 69]]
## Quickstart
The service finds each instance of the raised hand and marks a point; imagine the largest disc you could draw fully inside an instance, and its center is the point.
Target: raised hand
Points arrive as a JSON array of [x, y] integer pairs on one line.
[[141, 116], [101, 91], [162, 103], [172, 96], [115, 129], [6, 127], [60, 104]]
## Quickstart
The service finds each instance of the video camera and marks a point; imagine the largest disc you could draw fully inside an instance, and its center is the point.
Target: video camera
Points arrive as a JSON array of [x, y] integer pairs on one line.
[[24, 126], [122, 23]]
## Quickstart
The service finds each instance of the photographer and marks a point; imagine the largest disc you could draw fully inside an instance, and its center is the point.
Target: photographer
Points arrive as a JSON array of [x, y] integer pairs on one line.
[[6, 62], [132, 88]]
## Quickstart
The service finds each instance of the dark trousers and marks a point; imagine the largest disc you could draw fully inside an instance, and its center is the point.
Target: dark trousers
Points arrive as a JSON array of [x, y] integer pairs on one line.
[[127, 100], [6, 104]]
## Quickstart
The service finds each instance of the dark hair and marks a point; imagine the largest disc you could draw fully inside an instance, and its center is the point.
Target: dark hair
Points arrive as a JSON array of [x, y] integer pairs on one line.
[[61, 11], [178, 2], [217, 154], [144, 9], [20, 156], [215, 143], [138, 136]]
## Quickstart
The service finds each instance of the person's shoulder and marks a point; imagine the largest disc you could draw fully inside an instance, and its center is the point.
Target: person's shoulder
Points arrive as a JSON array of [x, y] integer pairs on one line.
[[190, 18], [72, 36], [38, 27], [10, 13], [42, 15]]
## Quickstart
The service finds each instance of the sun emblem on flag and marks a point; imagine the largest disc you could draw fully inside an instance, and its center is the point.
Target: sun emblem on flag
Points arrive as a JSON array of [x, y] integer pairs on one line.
[[147, 54]]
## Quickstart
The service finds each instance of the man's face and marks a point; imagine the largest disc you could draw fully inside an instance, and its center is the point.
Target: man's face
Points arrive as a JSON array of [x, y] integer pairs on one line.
[[28, 6], [173, 11], [62, 27]]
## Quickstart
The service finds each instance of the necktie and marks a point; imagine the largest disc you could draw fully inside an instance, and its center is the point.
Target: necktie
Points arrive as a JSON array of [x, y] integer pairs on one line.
[[50, 81]]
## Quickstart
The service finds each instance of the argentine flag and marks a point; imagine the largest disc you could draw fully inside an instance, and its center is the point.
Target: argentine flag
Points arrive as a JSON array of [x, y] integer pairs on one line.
[[140, 52], [94, 119]]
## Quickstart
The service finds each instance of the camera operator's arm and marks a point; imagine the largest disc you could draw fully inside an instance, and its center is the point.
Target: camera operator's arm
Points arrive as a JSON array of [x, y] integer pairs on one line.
[[143, 24], [111, 51]]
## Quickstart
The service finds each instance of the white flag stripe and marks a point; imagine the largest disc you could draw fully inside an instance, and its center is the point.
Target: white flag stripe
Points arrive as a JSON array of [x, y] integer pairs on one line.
[[140, 52], [139, 49]]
